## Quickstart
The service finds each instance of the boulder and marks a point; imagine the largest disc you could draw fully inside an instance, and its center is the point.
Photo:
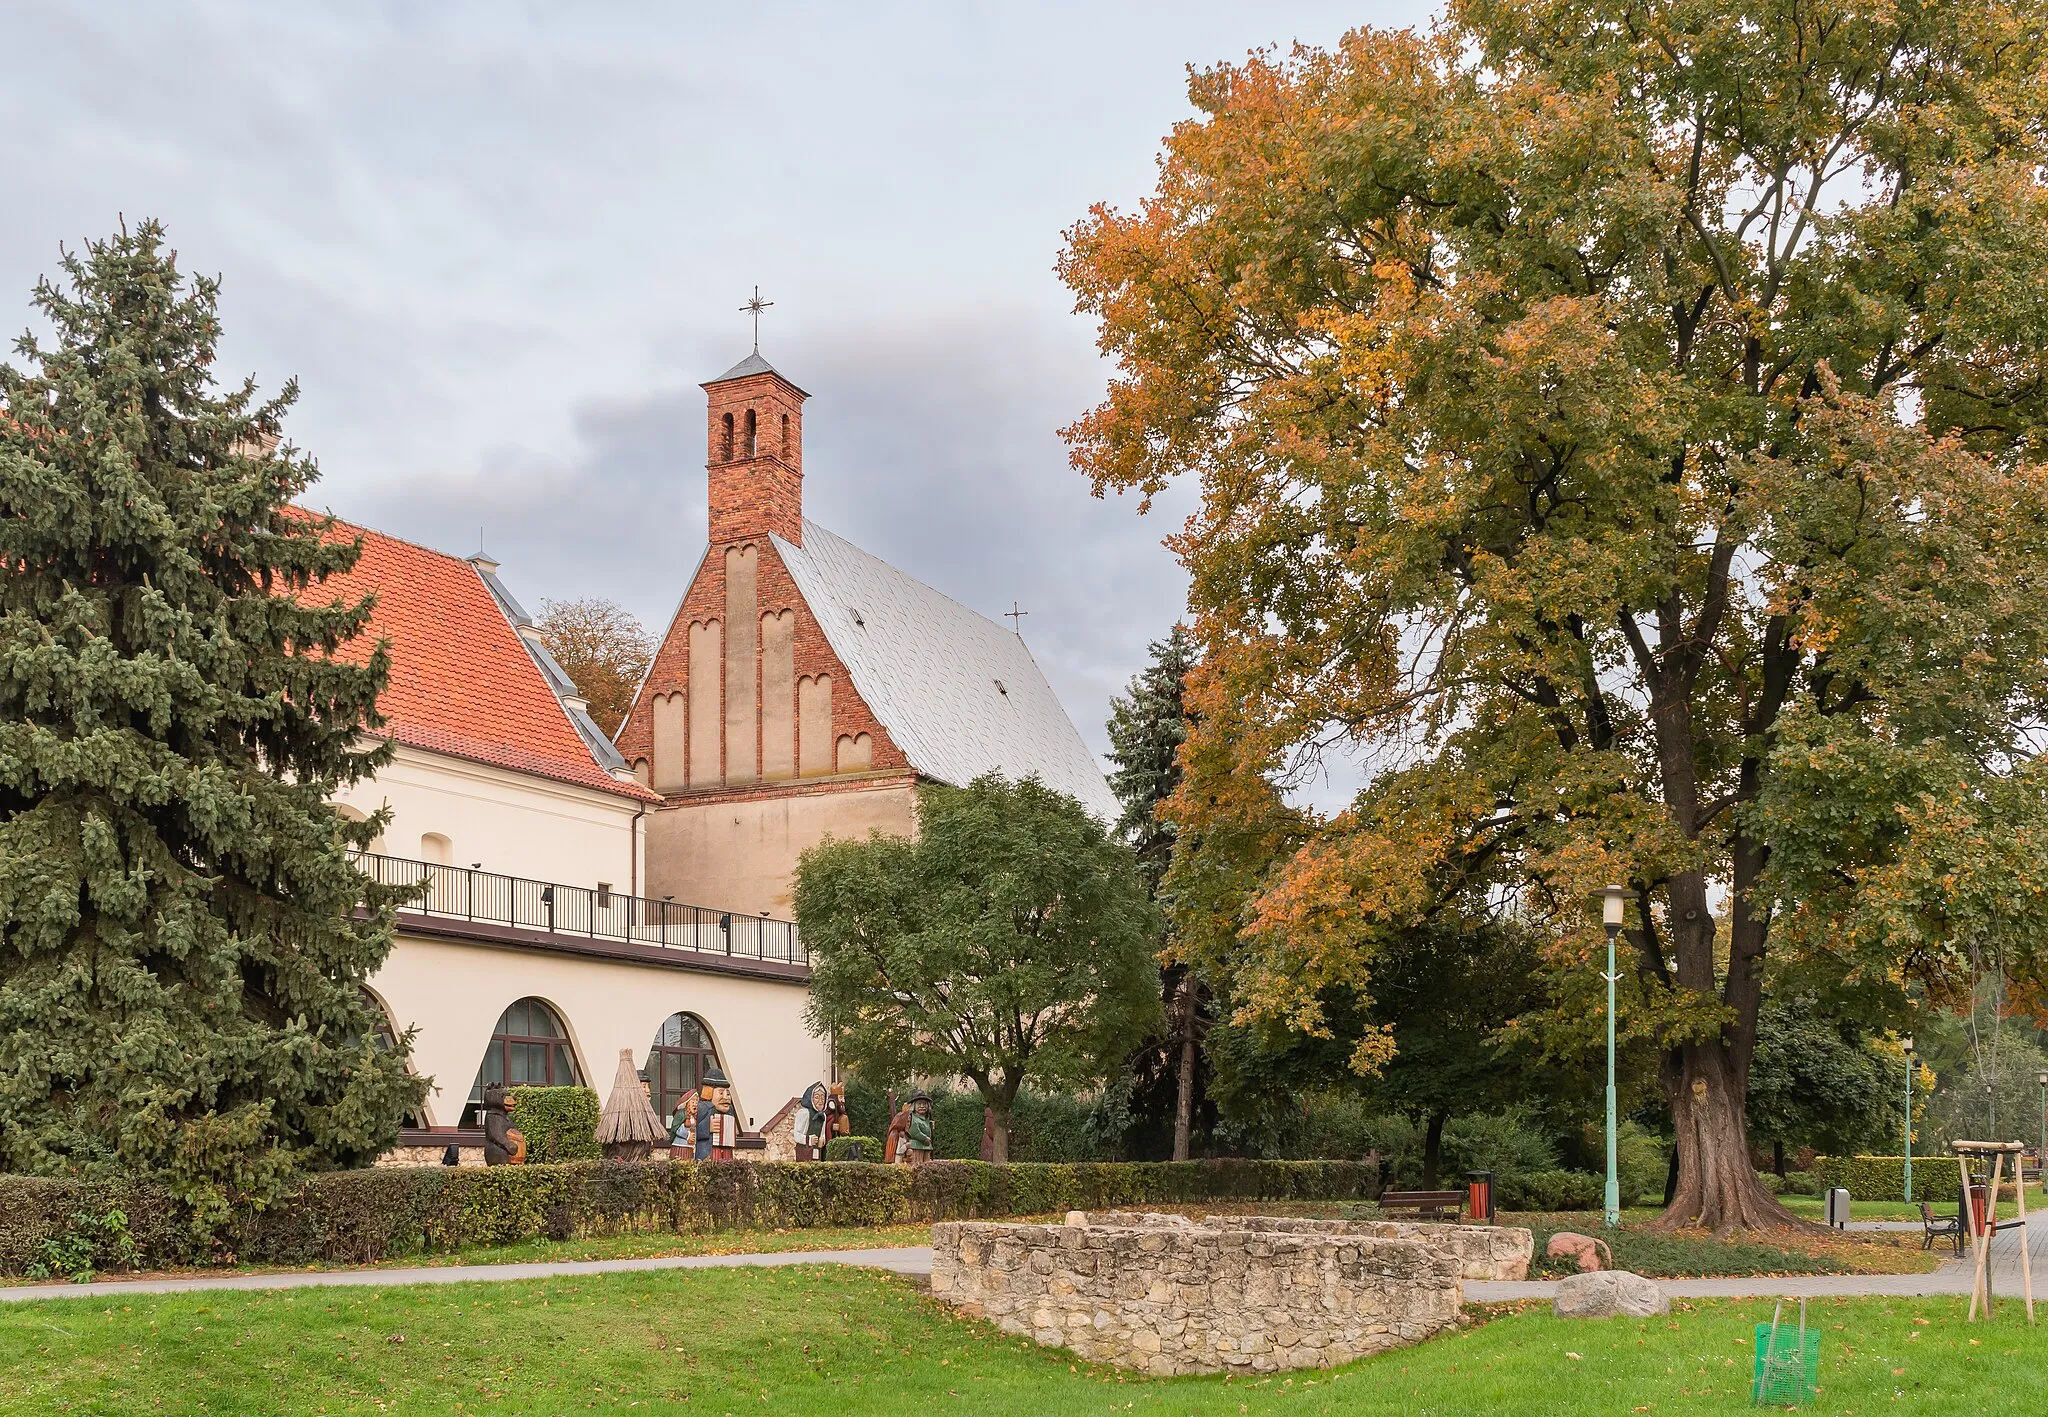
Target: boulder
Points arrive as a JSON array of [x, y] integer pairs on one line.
[[1607, 1294], [1583, 1250]]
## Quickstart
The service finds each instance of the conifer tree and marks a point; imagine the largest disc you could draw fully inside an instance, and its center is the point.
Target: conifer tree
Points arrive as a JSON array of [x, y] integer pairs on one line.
[[1146, 730], [183, 939]]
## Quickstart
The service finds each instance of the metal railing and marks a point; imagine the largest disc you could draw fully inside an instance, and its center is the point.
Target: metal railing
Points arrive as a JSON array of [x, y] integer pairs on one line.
[[459, 893]]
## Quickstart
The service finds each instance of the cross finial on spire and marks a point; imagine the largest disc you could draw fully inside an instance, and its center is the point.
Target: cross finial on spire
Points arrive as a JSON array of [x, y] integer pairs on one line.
[[754, 307], [1016, 619]]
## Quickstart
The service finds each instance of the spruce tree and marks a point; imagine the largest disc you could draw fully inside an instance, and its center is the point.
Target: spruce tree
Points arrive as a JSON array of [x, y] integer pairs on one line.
[[1146, 729], [183, 939]]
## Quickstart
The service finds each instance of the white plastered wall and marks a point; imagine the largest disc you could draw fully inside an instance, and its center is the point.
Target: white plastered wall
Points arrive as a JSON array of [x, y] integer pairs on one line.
[[740, 854], [454, 991], [515, 823]]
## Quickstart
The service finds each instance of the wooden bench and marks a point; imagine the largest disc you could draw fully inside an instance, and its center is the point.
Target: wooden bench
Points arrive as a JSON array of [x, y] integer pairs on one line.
[[1423, 1205]]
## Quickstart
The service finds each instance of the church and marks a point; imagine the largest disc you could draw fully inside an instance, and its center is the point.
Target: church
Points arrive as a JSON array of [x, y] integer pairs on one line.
[[579, 896], [803, 687]]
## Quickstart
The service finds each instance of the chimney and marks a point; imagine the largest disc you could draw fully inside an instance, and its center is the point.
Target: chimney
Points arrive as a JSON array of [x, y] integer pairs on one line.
[[754, 454]]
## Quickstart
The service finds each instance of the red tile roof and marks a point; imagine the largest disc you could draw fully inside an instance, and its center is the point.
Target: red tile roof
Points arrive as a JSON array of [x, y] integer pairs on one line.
[[462, 682]]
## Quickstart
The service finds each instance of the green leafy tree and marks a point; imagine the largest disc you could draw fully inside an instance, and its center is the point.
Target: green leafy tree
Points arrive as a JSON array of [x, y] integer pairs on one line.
[[1146, 728], [1623, 419], [1011, 941], [1442, 1006], [182, 955], [1822, 1080]]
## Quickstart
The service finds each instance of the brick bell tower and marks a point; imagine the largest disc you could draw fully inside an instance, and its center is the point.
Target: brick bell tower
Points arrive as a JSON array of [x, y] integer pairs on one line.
[[754, 453]]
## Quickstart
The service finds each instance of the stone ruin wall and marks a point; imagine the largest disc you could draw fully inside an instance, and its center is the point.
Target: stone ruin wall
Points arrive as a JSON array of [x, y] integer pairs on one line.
[[1166, 1295], [1481, 1251]]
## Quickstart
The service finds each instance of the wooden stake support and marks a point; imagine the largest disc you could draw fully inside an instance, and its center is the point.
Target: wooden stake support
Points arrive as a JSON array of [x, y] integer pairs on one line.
[[1983, 1230]]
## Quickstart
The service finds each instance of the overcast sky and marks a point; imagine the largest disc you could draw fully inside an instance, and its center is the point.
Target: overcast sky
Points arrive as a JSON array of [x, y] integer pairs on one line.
[[501, 245]]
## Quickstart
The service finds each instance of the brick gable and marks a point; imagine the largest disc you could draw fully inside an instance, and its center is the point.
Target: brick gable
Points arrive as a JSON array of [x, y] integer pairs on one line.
[[706, 602]]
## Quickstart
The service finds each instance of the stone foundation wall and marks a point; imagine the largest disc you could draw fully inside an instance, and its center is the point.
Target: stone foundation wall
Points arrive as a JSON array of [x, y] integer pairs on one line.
[[428, 1156], [1166, 1295]]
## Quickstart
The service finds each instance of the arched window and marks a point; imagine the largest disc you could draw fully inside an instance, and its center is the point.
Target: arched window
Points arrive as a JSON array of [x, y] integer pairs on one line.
[[751, 448], [785, 435], [528, 1048], [725, 441], [678, 1057]]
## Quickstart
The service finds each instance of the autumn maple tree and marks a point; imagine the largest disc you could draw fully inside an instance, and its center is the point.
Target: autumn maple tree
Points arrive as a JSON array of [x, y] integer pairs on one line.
[[1620, 427]]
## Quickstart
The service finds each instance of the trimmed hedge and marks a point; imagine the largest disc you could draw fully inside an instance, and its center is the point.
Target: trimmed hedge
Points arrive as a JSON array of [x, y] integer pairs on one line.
[[841, 1148], [364, 1216], [1883, 1178], [559, 1123]]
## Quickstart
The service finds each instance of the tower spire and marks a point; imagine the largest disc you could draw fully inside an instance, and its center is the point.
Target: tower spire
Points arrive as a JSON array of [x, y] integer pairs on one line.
[[754, 307]]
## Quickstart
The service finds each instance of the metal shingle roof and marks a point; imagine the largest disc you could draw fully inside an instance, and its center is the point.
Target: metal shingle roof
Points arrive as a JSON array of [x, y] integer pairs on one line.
[[958, 693]]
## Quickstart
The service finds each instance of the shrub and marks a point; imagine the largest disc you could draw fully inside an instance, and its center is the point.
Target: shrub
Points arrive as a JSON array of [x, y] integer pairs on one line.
[[36, 1214], [88, 1242], [1802, 1183], [363, 1216], [1772, 1182], [842, 1148], [1551, 1190], [1640, 1161], [1883, 1178], [559, 1123]]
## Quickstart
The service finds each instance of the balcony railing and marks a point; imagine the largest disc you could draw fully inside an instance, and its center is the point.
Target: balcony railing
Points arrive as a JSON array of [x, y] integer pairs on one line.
[[458, 893]]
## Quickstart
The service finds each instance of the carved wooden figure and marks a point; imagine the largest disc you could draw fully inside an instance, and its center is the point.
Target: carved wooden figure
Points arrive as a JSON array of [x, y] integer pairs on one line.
[[504, 1145], [809, 1124]]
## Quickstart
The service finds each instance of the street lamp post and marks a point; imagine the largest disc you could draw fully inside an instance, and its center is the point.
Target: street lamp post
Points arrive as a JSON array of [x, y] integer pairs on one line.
[[1611, 908], [1908, 1041], [2042, 1078]]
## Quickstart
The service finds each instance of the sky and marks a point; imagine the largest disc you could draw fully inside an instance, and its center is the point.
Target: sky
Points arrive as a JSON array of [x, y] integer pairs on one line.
[[500, 246]]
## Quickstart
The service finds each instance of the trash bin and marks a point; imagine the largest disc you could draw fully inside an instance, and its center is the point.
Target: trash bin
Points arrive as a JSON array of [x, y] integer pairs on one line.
[[1837, 1212], [1479, 1196]]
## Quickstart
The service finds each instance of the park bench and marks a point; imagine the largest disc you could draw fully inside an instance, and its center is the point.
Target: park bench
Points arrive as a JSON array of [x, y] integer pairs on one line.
[[1423, 1205], [1932, 1229]]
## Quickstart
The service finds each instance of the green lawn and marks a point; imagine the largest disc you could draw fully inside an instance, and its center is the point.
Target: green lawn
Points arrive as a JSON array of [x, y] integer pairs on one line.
[[1689, 1254], [831, 1340]]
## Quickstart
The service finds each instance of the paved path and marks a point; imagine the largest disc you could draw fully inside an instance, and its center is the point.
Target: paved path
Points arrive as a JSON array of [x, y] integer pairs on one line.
[[914, 1260]]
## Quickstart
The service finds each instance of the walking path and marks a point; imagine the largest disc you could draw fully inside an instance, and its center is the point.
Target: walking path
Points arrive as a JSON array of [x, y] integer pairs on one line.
[[1953, 1277], [913, 1260]]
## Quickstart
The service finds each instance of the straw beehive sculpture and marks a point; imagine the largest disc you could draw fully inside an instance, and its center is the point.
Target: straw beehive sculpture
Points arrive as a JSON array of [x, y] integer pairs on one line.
[[628, 1128]]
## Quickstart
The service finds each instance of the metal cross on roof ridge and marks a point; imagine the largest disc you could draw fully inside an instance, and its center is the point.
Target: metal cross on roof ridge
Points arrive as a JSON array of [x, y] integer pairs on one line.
[[754, 307], [1016, 619]]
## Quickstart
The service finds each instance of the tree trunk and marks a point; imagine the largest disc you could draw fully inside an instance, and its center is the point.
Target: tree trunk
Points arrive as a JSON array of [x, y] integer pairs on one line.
[[1184, 1103], [1717, 1187], [1671, 1176], [1433, 1148], [1778, 1158]]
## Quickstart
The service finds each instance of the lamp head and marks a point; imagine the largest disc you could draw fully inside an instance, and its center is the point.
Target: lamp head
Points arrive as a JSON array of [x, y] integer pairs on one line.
[[1613, 901], [2041, 1078], [1907, 1044]]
